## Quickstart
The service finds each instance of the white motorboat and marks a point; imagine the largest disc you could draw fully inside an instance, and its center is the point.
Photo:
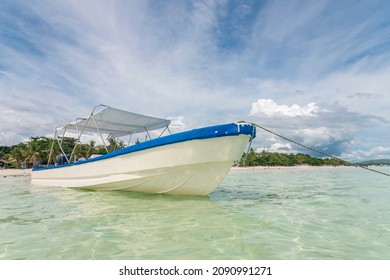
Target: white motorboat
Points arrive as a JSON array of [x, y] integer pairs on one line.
[[187, 163]]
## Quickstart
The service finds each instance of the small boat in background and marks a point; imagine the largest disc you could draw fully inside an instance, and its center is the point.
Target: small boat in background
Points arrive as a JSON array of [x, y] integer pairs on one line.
[[187, 163]]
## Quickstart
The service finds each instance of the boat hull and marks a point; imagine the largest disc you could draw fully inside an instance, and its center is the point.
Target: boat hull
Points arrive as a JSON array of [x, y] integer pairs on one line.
[[191, 167]]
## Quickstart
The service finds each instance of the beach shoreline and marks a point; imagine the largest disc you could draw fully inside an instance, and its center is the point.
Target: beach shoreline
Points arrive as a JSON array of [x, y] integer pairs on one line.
[[27, 172], [298, 167], [15, 172]]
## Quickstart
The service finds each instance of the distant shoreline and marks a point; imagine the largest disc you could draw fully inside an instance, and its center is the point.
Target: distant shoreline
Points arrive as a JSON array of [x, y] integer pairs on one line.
[[27, 172], [298, 167], [14, 172]]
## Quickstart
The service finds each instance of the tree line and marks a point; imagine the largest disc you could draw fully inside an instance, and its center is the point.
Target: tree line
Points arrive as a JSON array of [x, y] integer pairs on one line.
[[264, 158], [36, 151]]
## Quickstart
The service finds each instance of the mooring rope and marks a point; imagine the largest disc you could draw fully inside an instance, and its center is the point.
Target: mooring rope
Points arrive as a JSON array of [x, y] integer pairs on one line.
[[317, 151]]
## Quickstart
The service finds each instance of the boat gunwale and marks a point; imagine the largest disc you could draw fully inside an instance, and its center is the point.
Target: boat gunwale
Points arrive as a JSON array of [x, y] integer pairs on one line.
[[231, 129]]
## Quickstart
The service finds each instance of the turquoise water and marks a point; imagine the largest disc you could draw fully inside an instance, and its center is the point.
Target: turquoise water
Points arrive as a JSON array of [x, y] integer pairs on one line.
[[331, 213]]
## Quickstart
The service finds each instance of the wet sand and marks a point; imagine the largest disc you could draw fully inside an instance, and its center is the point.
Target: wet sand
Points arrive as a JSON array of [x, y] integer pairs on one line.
[[14, 172]]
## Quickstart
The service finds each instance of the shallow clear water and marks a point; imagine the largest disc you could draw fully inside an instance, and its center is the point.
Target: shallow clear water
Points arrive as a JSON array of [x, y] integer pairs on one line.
[[332, 213]]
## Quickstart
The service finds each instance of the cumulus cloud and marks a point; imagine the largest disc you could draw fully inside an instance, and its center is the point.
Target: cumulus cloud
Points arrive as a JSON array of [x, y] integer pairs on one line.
[[378, 152], [322, 134], [177, 123], [269, 108], [330, 128], [282, 63], [278, 148]]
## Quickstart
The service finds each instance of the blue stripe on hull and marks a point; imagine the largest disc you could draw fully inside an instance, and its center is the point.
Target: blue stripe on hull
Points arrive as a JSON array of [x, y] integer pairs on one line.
[[231, 129]]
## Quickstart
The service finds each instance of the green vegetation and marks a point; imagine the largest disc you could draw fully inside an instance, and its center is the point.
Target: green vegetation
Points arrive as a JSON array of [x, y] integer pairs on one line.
[[36, 151], [279, 159]]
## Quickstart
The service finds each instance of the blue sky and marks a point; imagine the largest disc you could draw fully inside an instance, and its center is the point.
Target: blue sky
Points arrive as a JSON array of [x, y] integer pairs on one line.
[[315, 71]]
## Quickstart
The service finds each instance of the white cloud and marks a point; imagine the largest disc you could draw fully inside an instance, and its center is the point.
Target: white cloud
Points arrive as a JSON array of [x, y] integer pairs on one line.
[[331, 132], [379, 152], [320, 68], [278, 148], [270, 108], [319, 135], [177, 124]]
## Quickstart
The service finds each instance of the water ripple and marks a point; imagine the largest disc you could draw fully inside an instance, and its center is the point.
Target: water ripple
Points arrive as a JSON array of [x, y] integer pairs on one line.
[[313, 214]]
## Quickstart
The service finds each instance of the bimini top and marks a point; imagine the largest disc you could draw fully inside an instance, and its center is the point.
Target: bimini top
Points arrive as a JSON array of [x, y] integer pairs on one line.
[[115, 122]]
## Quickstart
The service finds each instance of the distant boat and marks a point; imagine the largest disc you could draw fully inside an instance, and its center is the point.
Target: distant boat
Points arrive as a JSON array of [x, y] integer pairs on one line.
[[187, 163]]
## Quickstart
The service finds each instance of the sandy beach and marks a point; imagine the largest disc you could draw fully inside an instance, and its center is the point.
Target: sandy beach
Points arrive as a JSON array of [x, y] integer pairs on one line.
[[27, 172], [15, 172], [298, 167]]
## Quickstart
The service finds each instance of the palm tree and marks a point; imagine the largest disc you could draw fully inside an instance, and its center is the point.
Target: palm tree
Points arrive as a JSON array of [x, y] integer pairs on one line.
[[115, 144], [17, 155], [91, 148], [31, 152]]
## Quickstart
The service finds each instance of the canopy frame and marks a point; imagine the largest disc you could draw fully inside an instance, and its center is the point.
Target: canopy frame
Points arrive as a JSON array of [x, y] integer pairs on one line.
[[104, 122]]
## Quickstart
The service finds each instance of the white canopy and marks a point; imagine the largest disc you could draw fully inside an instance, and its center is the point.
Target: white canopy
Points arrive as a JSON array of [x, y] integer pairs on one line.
[[116, 122]]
